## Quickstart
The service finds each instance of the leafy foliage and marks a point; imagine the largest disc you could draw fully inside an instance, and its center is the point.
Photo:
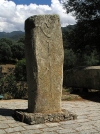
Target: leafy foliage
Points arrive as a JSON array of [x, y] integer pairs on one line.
[[83, 9], [70, 59], [20, 70], [7, 41], [5, 51], [11, 50], [92, 59], [84, 38], [11, 88], [18, 51]]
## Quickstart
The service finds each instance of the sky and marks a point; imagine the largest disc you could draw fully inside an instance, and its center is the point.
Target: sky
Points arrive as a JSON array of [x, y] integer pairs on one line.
[[38, 2], [13, 13]]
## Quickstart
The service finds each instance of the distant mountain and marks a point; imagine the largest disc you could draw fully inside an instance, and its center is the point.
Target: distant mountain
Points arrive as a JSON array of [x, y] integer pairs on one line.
[[15, 35], [68, 28]]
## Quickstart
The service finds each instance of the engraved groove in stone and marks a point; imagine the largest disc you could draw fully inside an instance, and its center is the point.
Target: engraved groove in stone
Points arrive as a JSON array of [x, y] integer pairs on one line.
[[50, 29]]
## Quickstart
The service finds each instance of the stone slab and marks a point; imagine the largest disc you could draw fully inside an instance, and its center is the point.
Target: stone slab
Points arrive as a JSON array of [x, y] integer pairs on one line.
[[38, 118], [83, 77]]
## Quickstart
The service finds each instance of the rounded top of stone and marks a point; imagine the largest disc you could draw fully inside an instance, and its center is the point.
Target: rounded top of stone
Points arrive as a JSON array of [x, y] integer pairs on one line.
[[36, 20], [45, 15]]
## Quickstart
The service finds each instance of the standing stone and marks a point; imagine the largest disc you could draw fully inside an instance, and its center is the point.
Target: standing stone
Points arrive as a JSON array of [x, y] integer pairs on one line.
[[44, 63]]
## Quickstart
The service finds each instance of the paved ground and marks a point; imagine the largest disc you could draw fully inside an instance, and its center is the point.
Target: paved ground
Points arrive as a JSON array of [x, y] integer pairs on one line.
[[88, 121]]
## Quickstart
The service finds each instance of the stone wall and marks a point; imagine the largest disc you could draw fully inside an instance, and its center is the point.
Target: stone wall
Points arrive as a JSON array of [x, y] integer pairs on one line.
[[83, 77]]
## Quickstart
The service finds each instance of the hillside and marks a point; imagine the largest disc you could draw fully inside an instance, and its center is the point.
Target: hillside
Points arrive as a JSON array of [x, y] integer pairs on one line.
[[68, 28], [15, 35]]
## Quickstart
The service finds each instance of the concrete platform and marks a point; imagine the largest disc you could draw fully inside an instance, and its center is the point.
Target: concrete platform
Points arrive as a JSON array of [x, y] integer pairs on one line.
[[88, 121]]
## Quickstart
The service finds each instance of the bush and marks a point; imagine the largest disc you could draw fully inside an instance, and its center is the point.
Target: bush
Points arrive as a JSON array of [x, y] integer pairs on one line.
[[10, 85], [18, 51], [5, 52], [92, 59], [10, 88], [20, 70], [70, 59]]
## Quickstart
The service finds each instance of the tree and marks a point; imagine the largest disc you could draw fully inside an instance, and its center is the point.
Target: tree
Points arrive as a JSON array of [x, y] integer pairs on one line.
[[84, 38], [83, 9], [92, 59], [20, 70], [21, 39], [65, 31], [7, 41], [5, 52], [70, 59], [18, 51]]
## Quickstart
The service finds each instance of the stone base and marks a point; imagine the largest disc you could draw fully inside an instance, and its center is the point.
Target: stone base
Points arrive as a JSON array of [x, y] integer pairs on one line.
[[38, 118]]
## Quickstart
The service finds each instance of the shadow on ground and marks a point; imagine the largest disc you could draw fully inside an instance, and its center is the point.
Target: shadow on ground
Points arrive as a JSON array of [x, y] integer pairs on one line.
[[6, 112], [89, 95]]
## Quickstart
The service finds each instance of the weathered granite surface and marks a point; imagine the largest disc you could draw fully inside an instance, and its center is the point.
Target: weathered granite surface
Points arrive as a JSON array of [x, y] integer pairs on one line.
[[83, 77], [38, 118], [44, 61]]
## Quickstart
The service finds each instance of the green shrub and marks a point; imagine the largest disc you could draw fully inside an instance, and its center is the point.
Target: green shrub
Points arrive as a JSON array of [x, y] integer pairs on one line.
[[5, 52], [7, 96], [18, 51], [20, 70], [92, 59], [10, 88], [10, 84], [70, 59], [2, 86]]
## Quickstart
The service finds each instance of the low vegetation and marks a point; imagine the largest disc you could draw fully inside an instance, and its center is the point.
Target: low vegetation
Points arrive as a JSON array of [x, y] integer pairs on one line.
[[13, 85]]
